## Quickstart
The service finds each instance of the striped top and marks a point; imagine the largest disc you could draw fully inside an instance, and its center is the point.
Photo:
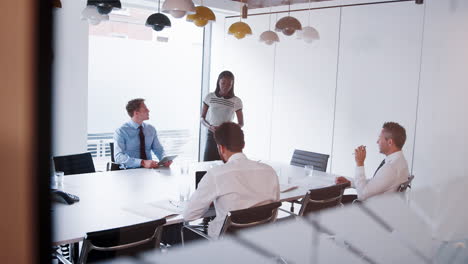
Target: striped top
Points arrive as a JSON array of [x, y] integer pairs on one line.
[[221, 110]]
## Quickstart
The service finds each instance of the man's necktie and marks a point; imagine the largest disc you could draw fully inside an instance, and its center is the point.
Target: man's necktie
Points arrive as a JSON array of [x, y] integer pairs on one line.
[[142, 144], [378, 168]]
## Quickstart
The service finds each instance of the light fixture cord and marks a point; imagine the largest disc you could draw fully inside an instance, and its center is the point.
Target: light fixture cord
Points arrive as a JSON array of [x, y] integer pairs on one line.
[[159, 6], [289, 8], [269, 18], [240, 17], [308, 21]]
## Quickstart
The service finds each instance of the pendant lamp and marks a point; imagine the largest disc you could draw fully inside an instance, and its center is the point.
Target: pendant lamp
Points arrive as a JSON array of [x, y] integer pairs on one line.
[[288, 24], [202, 16], [240, 29], [308, 34], [178, 8], [104, 7], [158, 21], [91, 14], [269, 37]]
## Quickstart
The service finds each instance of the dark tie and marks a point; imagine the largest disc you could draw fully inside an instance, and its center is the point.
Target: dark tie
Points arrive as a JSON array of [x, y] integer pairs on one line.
[[142, 144], [378, 168]]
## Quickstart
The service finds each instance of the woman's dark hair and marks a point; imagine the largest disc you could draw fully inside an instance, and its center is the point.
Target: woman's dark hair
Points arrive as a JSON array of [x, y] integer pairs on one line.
[[229, 75]]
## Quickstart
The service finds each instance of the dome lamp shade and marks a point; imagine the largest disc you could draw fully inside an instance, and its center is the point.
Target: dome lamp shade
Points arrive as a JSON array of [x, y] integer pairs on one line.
[[91, 14], [158, 21], [104, 7], [202, 16], [288, 25], [269, 37], [308, 34], [178, 8], [240, 30]]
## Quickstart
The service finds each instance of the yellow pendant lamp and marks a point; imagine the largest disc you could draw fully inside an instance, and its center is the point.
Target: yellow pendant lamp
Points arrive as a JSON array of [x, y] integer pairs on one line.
[[202, 16], [240, 29]]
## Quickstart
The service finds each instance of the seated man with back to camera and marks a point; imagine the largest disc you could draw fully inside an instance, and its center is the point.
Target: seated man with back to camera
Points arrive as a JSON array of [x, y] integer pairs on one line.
[[238, 184], [393, 170], [134, 140]]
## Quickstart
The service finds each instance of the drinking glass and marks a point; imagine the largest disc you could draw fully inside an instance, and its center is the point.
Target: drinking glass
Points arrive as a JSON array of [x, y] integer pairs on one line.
[[309, 170], [59, 175]]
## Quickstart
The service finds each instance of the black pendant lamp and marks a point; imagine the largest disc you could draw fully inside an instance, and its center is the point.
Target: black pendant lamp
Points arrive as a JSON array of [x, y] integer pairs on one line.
[[158, 21], [104, 7]]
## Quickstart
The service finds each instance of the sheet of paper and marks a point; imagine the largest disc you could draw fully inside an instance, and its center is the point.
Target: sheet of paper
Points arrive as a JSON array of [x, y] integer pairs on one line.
[[288, 187], [169, 205], [149, 211]]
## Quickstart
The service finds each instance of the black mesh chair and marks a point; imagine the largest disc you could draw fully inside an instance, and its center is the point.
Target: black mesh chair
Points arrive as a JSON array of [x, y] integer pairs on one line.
[[241, 219], [112, 166], [111, 146], [301, 158], [407, 184], [74, 164], [124, 241], [323, 198]]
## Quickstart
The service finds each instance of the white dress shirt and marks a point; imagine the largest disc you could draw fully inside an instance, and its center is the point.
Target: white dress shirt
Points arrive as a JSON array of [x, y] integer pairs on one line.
[[240, 183], [387, 179]]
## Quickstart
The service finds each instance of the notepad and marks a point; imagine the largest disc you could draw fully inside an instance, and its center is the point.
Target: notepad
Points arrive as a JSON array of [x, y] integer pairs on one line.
[[287, 187], [149, 211]]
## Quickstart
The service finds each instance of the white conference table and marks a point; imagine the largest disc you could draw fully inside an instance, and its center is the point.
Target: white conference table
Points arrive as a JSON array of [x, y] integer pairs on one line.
[[105, 196]]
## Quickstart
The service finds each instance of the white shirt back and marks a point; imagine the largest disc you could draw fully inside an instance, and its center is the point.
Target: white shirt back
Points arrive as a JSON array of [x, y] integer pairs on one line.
[[240, 183]]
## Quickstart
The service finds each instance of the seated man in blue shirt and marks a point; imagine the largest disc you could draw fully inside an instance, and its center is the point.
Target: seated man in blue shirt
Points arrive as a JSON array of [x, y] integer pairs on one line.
[[134, 140]]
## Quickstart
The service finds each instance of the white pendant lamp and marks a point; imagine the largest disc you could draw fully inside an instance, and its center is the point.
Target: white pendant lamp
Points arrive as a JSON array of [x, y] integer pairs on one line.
[[91, 14], [178, 8], [308, 34], [269, 37]]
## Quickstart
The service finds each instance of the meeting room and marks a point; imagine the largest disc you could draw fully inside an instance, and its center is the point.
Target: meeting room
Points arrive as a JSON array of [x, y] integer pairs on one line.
[[227, 131]]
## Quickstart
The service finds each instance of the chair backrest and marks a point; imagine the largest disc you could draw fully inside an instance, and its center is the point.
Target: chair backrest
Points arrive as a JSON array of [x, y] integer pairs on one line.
[[245, 218], [301, 158], [407, 184], [74, 164], [111, 146], [124, 241], [323, 198], [112, 166]]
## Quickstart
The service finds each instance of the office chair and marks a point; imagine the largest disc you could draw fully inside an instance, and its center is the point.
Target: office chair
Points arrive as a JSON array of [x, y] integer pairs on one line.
[[301, 158], [240, 219], [111, 165], [407, 184], [323, 198], [126, 241], [74, 164]]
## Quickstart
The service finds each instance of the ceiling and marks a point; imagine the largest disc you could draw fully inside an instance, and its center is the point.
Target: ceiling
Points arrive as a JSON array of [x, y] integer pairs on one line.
[[267, 3]]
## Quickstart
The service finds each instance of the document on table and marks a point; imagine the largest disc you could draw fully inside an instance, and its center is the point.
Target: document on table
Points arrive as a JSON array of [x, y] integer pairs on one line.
[[175, 207], [287, 187], [154, 210]]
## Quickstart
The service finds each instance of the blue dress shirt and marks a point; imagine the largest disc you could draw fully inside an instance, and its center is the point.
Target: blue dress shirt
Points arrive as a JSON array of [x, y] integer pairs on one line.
[[127, 144]]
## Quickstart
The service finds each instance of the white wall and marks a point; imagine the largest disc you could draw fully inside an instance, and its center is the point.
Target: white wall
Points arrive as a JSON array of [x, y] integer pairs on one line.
[[70, 79], [397, 62], [441, 143], [377, 79]]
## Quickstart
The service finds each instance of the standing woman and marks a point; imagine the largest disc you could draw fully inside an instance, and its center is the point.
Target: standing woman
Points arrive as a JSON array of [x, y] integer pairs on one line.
[[219, 107]]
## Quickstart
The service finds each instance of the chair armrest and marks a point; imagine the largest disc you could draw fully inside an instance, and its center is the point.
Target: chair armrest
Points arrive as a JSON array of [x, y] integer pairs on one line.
[[61, 258], [196, 231], [286, 211]]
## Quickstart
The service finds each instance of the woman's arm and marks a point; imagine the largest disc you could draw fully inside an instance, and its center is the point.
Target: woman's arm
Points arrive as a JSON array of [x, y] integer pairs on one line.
[[203, 120], [240, 117]]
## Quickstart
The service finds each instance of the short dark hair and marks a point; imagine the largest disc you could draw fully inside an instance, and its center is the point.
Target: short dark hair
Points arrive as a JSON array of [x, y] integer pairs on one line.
[[229, 75], [396, 132], [134, 105], [231, 136]]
